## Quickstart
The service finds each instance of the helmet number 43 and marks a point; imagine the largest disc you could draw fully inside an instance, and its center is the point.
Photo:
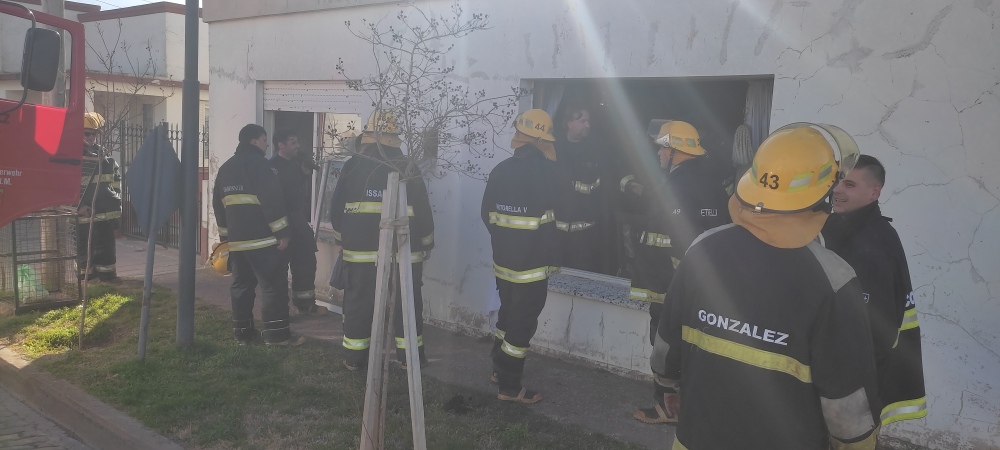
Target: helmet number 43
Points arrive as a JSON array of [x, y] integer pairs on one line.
[[769, 177]]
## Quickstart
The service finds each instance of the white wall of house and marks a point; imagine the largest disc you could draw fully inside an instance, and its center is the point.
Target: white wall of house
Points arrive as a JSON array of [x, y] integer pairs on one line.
[[914, 81], [12, 36], [163, 34], [120, 45]]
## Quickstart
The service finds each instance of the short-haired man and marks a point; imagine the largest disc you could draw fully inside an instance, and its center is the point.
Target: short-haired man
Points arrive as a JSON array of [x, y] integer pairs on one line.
[[248, 210], [859, 233], [301, 253], [582, 207]]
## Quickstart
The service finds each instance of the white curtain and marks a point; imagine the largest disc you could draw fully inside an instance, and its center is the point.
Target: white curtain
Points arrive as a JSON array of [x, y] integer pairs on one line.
[[552, 94], [757, 113]]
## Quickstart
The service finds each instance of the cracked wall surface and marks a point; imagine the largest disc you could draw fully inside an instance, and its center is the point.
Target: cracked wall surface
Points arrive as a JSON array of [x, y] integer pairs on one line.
[[916, 81]]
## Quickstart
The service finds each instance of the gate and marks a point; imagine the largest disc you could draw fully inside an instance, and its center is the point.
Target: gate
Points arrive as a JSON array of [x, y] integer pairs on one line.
[[131, 138]]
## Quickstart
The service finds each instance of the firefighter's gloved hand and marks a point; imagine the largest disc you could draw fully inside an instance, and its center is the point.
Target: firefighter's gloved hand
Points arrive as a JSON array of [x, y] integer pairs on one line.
[[283, 243], [83, 211], [634, 187], [672, 405]]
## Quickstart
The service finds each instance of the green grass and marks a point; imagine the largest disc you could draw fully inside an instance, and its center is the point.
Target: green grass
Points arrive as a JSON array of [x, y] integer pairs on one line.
[[223, 396]]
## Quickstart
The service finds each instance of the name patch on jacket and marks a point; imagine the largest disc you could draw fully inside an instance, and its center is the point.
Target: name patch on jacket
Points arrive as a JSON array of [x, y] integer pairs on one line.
[[238, 187], [373, 193], [736, 326], [511, 209], [709, 212]]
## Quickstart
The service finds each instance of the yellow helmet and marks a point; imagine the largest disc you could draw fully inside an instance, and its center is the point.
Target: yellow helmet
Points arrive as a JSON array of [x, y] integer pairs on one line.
[[219, 260], [93, 121], [680, 136], [535, 123], [382, 122], [795, 168]]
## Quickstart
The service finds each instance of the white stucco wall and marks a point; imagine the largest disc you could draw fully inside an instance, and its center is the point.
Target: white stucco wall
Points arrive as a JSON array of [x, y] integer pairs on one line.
[[106, 40], [914, 80], [175, 47], [12, 31]]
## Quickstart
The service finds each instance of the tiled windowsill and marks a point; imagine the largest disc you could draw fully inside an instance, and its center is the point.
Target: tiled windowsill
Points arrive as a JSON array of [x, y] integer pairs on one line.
[[602, 288]]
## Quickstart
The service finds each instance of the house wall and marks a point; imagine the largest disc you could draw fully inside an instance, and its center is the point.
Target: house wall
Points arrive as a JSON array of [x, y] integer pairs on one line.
[[915, 81], [12, 31], [105, 54]]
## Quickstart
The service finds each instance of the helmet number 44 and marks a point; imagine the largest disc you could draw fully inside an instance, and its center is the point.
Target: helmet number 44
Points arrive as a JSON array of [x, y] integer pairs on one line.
[[769, 177]]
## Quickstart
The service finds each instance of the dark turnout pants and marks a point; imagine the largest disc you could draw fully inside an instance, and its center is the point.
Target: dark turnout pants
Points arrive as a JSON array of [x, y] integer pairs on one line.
[[359, 310], [517, 320], [102, 250], [653, 274], [301, 260], [261, 267]]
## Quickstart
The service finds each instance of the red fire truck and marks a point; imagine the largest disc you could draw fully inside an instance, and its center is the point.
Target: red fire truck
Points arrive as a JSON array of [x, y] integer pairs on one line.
[[41, 146]]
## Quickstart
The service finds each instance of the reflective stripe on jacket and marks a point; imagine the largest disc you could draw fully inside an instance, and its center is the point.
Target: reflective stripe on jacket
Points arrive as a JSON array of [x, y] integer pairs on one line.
[[248, 202]]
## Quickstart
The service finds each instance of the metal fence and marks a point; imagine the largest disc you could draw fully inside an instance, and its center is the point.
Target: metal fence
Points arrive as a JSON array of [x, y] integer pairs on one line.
[[130, 139]]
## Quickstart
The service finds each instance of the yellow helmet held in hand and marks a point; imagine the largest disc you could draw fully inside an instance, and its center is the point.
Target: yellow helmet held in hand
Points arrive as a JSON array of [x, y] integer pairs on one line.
[[93, 121], [535, 123], [219, 260], [680, 136], [382, 122], [795, 168]]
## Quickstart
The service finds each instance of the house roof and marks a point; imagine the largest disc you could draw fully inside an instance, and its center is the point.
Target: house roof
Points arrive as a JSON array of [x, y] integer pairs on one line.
[[133, 11], [73, 6]]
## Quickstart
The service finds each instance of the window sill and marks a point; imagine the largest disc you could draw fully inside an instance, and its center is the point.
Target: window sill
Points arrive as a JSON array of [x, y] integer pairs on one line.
[[593, 286]]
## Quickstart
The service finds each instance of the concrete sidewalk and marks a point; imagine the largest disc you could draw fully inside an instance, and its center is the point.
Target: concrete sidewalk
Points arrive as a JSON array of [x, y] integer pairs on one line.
[[594, 399]]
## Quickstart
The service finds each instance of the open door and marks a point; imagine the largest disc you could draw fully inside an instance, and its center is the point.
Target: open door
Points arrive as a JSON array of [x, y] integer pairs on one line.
[[41, 146]]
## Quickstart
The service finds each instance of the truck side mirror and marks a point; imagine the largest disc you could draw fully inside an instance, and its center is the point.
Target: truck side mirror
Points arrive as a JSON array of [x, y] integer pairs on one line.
[[41, 59]]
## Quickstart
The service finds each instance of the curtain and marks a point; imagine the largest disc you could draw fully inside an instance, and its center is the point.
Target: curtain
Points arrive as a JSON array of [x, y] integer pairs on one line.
[[757, 114]]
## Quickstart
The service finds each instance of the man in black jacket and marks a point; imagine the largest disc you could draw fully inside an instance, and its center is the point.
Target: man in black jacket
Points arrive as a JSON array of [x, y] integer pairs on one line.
[[582, 224], [248, 208], [688, 201], [763, 333], [519, 210], [301, 252], [100, 188], [859, 233], [355, 214]]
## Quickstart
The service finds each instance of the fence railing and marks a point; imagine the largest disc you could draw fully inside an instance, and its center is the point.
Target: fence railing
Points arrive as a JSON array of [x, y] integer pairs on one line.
[[130, 139]]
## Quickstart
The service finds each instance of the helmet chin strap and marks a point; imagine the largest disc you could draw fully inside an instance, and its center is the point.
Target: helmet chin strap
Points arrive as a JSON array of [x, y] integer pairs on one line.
[[670, 161]]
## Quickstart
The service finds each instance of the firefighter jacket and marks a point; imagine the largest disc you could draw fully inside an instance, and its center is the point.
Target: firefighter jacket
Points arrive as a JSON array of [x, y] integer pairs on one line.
[[583, 206], [356, 207], [768, 347], [101, 178], [687, 202], [248, 201], [295, 189], [519, 210], [869, 243]]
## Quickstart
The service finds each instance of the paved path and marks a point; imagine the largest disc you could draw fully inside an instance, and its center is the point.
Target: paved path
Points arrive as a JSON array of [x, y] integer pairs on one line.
[[23, 428]]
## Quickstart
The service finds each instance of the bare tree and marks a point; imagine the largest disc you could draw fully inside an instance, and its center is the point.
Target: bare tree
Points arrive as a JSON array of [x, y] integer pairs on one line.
[[120, 82], [439, 118]]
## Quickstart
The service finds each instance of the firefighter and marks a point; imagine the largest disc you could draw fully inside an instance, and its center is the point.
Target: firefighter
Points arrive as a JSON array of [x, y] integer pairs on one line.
[[301, 252], [100, 206], [688, 202], [766, 336], [247, 200], [355, 213], [859, 233], [519, 210], [584, 210]]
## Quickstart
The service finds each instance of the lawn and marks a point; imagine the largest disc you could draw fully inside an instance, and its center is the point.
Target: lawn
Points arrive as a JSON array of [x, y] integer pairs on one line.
[[218, 395]]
